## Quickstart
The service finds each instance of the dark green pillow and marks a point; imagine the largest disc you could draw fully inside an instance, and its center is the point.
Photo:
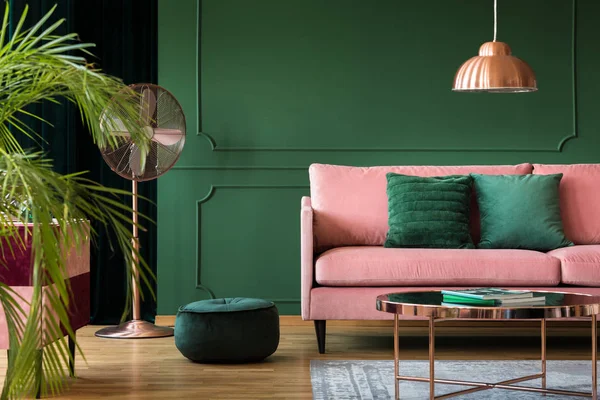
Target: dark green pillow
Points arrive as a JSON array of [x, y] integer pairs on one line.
[[520, 212], [430, 212]]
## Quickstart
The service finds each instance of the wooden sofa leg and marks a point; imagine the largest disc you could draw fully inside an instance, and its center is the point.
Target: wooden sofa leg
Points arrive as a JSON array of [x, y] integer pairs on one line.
[[320, 328]]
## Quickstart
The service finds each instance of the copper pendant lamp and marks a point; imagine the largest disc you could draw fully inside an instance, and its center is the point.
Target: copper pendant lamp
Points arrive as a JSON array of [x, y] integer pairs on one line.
[[495, 70]]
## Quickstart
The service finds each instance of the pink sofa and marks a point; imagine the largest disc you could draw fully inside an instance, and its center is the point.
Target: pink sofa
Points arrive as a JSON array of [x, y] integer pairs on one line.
[[345, 266]]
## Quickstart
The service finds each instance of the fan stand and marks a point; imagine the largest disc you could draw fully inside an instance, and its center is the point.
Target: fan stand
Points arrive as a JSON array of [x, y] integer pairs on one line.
[[136, 328]]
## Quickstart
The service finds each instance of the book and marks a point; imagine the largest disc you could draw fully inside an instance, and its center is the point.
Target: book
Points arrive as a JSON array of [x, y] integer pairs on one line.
[[463, 305], [468, 301], [538, 300], [489, 293]]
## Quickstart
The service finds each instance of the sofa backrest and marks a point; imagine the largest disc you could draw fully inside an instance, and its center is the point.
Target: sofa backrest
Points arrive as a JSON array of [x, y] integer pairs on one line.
[[579, 199], [350, 203]]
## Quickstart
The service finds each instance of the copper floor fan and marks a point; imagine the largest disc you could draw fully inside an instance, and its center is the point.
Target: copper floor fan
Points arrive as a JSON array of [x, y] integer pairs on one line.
[[163, 121]]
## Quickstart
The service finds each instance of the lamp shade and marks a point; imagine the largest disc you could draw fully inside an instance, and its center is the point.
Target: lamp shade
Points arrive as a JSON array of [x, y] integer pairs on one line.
[[495, 70]]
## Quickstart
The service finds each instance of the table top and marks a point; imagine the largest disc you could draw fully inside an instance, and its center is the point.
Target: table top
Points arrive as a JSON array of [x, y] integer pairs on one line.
[[429, 304]]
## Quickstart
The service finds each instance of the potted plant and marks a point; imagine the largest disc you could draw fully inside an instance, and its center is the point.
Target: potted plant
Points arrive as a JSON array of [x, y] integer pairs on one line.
[[37, 65]]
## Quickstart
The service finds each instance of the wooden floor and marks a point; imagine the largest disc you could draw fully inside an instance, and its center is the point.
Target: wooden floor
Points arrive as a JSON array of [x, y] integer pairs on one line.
[[154, 369]]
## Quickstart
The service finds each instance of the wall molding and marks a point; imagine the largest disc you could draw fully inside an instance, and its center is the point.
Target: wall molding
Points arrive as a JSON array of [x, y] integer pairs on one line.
[[575, 133], [239, 167], [207, 197], [199, 284], [285, 300], [216, 148]]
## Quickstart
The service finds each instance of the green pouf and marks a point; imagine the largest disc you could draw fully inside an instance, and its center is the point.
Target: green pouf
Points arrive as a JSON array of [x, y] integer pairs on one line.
[[231, 330]]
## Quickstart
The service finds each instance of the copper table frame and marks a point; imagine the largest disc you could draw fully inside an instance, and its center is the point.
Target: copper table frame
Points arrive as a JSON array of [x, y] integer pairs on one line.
[[589, 308]]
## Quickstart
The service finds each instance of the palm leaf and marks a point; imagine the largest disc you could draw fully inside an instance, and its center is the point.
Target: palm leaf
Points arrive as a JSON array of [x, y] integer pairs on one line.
[[37, 65]]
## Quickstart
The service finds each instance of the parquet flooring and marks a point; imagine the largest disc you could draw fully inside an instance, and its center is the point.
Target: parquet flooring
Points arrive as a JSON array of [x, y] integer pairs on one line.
[[153, 368]]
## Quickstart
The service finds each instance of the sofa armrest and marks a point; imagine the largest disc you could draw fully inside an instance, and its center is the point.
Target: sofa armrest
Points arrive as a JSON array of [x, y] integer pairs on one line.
[[306, 255]]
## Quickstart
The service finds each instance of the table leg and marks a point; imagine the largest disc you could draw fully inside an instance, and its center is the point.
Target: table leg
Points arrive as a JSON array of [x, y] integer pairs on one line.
[[396, 359], [543, 336], [431, 358], [594, 356]]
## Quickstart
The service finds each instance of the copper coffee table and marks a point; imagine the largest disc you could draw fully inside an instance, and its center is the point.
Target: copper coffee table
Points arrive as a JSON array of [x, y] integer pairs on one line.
[[559, 305]]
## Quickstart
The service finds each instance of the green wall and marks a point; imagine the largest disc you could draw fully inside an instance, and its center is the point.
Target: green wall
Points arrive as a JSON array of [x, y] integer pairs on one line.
[[270, 86]]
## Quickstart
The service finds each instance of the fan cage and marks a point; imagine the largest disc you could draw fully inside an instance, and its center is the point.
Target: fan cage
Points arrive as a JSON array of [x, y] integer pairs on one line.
[[126, 158]]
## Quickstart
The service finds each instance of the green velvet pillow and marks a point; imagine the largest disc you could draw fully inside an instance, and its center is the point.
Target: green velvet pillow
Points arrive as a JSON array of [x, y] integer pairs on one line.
[[520, 212], [430, 212]]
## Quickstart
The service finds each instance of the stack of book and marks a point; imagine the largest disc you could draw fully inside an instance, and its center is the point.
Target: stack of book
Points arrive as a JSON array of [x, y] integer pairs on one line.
[[492, 297]]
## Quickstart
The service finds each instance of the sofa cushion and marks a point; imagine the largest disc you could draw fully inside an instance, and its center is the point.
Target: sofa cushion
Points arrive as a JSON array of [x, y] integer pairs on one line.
[[520, 212], [350, 203], [378, 266], [580, 265], [579, 200], [429, 212]]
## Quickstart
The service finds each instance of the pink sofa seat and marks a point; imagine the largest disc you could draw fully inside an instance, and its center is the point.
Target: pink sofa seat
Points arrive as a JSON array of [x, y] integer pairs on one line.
[[379, 266], [580, 264], [359, 303]]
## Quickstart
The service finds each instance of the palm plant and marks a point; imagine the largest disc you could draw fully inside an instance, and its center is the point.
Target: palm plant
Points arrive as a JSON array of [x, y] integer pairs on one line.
[[36, 65]]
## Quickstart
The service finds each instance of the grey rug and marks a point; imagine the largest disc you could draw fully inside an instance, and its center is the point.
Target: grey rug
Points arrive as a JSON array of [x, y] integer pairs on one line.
[[375, 379]]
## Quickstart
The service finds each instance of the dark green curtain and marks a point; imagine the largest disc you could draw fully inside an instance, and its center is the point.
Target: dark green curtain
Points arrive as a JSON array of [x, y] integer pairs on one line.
[[125, 34]]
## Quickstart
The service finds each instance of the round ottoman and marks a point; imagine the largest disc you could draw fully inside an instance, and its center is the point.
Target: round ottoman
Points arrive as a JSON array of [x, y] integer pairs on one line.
[[231, 330]]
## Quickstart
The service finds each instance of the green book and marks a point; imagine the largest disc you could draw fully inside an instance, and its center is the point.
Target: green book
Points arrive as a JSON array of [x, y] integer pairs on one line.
[[447, 298], [490, 293]]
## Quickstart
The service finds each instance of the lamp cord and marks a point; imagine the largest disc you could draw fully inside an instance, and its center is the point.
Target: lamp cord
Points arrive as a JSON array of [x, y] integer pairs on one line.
[[495, 18]]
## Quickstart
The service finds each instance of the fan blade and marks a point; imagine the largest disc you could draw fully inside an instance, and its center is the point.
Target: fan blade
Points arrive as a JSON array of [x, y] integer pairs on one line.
[[137, 161], [113, 124], [167, 137], [148, 106]]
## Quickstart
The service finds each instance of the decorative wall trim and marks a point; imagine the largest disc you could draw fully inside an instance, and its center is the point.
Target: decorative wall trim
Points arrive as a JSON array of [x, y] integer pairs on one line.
[[199, 284], [215, 147], [206, 198], [575, 132], [238, 167], [285, 300]]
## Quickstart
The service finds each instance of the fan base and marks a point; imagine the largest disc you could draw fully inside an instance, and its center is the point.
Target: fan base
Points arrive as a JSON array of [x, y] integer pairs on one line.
[[135, 329]]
